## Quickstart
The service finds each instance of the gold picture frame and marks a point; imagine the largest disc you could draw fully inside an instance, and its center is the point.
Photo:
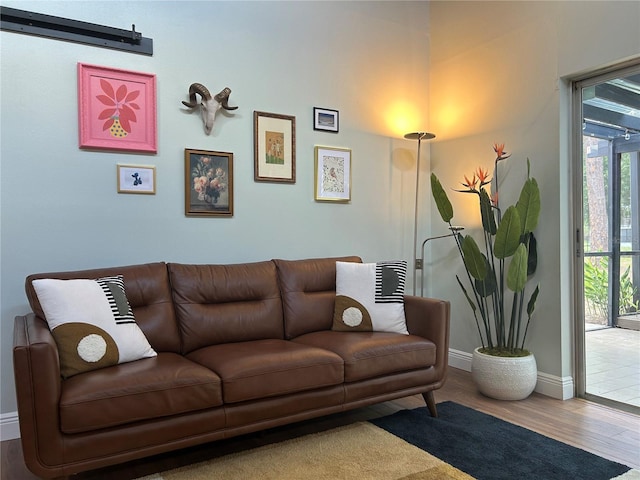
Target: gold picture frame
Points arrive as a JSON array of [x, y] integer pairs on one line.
[[136, 179], [332, 174], [208, 183], [274, 140]]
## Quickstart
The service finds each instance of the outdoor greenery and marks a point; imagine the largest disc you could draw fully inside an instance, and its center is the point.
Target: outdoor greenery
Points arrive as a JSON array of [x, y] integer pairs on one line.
[[596, 288], [509, 259]]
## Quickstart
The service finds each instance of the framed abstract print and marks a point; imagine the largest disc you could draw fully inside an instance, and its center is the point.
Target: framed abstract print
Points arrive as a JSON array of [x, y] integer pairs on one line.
[[116, 109]]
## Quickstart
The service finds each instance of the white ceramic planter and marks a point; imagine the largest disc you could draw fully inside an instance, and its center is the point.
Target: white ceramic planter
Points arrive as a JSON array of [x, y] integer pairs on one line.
[[504, 378]]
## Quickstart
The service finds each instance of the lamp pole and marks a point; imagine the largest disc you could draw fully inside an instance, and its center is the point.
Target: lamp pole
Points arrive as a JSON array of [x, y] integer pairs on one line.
[[417, 136], [454, 231]]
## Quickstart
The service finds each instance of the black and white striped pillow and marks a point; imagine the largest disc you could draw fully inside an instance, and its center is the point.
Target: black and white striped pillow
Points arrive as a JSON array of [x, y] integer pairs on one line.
[[370, 297]]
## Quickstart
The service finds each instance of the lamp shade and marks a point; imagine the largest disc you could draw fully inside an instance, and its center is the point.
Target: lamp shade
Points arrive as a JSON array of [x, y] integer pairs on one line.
[[419, 136]]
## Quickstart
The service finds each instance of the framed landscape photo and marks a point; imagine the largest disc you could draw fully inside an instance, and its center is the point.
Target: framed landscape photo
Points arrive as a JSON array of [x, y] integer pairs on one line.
[[208, 183], [274, 140], [332, 174], [116, 109], [325, 119], [137, 179]]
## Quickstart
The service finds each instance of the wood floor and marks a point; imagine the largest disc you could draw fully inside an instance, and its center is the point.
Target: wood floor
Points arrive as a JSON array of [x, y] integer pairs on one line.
[[610, 433]]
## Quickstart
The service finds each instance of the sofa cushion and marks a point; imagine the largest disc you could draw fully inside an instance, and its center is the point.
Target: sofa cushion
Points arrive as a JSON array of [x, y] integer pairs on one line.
[[162, 386], [148, 292], [267, 368], [92, 323], [308, 293], [370, 297], [226, 303], [372, 354]]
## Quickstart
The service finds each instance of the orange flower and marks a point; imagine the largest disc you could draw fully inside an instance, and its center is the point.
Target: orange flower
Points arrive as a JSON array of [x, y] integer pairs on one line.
[[499, 149], [483, 176], [471, 184]]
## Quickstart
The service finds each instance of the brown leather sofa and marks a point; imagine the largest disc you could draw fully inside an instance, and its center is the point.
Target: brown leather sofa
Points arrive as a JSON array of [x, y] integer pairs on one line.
[[241, 348]]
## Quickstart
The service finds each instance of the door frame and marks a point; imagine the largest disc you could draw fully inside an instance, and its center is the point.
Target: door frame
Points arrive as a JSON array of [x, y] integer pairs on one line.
[[577, 84]]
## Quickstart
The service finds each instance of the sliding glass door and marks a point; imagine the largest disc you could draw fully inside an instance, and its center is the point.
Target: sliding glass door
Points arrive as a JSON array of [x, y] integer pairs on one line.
[[608, 238]]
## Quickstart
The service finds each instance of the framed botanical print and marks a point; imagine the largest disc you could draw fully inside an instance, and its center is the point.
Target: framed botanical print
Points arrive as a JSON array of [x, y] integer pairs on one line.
[[274, 139], [208, 183], [116, 109], [332, 174]]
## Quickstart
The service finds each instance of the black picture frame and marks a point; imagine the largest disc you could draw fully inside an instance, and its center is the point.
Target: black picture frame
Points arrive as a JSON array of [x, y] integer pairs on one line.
[[326, 119]]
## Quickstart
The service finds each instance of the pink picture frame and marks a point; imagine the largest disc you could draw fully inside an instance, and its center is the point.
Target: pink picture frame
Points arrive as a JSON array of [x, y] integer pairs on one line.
[[116, 109]]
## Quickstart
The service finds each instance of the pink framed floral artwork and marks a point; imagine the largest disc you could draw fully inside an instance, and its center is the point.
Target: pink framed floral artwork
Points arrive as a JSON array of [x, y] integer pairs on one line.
[[117, 109]]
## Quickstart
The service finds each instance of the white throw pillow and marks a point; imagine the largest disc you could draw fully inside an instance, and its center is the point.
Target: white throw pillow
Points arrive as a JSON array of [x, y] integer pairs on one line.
[[91, 322], [370, 297]]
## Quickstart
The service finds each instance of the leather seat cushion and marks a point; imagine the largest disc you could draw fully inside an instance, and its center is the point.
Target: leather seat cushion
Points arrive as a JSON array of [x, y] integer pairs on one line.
[[267, 368], [373, 354], [161, 386]]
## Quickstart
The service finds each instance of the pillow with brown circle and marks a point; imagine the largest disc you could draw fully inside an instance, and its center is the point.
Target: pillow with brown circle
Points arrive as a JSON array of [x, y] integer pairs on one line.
[[370, 297], [92, 323]]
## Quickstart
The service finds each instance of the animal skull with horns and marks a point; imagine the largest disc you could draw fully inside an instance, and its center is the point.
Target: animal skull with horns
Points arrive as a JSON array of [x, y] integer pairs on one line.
[[209, 105]]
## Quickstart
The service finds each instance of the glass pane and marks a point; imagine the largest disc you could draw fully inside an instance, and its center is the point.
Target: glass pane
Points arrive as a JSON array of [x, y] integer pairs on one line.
[[596, 194], [628, 290], [596, 290]]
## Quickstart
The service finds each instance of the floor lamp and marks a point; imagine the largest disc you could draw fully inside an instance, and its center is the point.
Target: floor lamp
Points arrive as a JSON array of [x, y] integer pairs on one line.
[[417, 136], [420, 261]]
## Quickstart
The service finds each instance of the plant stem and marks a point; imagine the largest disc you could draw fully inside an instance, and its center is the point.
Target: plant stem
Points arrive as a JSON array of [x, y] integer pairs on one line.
[[483, 311]]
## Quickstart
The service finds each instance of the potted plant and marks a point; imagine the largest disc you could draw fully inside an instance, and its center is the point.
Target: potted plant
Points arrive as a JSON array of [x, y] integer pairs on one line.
[[497, 278]]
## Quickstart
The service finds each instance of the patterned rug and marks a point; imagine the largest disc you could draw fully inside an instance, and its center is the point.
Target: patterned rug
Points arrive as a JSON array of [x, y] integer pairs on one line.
[[462, 444]]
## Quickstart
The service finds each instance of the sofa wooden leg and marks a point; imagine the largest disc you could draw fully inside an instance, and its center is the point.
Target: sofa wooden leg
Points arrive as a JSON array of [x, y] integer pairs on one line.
[[431, 403]]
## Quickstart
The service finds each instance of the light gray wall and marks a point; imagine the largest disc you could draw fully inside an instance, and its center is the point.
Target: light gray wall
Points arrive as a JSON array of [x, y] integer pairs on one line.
[[59, 205], [496, 74], [503, 77]]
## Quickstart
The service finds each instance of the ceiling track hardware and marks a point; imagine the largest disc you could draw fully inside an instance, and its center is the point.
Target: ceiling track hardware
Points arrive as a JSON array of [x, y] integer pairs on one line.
[[38, 24]]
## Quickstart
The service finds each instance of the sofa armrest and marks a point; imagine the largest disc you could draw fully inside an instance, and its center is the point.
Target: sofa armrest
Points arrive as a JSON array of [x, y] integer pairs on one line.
[[429, 318], [36, 369]]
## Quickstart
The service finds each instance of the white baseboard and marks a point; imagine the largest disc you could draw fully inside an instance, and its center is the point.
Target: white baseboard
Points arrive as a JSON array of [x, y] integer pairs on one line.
[[550, 385], [9, 426], [460, 360]]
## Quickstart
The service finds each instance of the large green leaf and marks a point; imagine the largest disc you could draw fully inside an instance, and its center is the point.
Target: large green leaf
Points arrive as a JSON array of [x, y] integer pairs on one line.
[[532, 264], [473, 305], [474, 261], [529, 205], [488, 220], [517, 273], [488, 286], [508, 234], [531, 306], [441, 199]]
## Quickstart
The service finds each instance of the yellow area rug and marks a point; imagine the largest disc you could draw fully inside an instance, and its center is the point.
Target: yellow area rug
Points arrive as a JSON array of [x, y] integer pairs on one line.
[[360, 451]]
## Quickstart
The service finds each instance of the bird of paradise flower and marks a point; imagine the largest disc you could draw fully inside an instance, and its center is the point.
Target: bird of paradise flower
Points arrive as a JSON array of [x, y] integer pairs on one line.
[[120, 112]]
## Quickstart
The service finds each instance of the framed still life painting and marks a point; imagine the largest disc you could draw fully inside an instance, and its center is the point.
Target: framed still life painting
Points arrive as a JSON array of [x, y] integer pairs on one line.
[[274, 140], [208, 183], [116, 109]]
